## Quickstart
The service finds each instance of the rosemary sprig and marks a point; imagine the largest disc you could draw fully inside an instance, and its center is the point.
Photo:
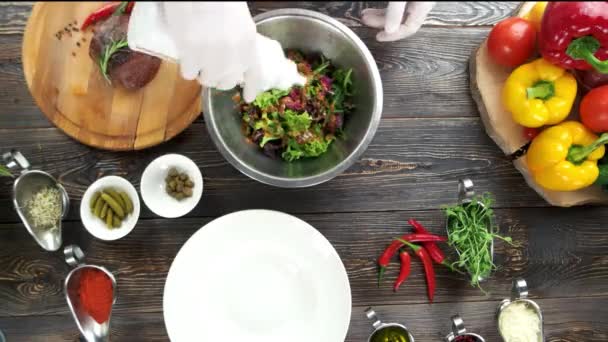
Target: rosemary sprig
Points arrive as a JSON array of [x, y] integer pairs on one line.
[[471, 231], [5, 172], [110, 49]]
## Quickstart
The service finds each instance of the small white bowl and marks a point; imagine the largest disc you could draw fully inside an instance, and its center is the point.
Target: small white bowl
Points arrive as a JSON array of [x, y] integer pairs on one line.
[[153, 186], [95, 225]]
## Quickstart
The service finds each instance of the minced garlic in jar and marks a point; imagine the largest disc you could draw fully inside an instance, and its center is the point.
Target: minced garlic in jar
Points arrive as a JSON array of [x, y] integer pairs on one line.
[[519, 322]]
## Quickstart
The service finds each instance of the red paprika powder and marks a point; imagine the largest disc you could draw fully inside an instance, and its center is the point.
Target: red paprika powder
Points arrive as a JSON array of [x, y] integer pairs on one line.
[[96, 294]]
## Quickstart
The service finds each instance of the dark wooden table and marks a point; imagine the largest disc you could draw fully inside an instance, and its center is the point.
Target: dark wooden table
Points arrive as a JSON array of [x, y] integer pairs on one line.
[[430, 136]]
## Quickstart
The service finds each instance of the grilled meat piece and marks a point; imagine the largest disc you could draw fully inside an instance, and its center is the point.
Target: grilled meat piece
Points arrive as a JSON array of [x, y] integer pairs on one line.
[[130, 69]]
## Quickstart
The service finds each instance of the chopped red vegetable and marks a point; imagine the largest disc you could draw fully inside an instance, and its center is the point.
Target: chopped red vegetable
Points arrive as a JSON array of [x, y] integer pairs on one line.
[[106, 11]]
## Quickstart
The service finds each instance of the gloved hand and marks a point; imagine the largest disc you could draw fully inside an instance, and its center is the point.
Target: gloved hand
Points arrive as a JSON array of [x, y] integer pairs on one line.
[[391, 18], [215, 42]]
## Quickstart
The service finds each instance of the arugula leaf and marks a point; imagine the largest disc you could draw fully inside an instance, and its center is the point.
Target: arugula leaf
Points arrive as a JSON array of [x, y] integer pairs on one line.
[[341, 88], [312, 89], [343, 78], [321, 68]]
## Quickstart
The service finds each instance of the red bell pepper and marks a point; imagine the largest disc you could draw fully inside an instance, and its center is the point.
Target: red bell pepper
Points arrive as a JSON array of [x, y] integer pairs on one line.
[[574, 35]]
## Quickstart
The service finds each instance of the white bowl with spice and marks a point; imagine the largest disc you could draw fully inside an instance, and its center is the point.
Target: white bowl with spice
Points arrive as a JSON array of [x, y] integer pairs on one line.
[[114, 193], [171, 185]]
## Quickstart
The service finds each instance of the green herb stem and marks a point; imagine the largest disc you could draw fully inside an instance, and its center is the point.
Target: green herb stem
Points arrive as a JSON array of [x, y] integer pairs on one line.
[[110, 50]]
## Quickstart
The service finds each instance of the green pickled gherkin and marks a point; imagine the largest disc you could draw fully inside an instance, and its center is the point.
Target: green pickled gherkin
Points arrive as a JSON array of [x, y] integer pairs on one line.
[[104, 211], [116, 208], [94, 199], [117, 222], [127, 201], [98, 206], [109, 219], [116, 197]]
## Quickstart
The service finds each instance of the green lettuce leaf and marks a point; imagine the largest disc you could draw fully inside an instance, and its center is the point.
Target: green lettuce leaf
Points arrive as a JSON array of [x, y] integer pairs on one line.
[[295, 122], [314, 148], [269, 98]]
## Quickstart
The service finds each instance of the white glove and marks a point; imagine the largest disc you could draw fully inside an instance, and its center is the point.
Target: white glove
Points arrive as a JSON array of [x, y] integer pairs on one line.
[[215, 42], [390, 19]]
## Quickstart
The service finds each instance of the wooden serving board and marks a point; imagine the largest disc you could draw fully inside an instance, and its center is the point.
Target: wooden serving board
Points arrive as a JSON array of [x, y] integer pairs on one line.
[[486, 81], [68, 86]]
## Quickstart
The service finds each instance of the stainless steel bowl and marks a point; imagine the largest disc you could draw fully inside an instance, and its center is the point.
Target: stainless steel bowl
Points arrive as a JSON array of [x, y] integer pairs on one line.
[[310, 32]]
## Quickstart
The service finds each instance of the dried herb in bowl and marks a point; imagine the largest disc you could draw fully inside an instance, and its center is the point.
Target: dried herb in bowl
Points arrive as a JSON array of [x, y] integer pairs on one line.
[[471, 232], [44, 208], [303, 121]]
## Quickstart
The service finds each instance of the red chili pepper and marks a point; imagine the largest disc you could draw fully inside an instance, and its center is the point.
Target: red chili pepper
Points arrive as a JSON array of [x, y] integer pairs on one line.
[[385, 258], [434, 251], [431, 247], [393, 248], [425, 237], [406, 261], [105, 12], [573, 35], [428, 267]]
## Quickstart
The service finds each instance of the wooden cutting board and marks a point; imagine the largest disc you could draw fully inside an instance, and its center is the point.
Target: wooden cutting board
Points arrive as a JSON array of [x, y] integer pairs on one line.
[[486, 80], [68, 86]]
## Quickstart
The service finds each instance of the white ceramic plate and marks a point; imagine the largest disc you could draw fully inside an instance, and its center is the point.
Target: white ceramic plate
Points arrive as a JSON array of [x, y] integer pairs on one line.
[[153, 186], [257, 276], [96, 226]]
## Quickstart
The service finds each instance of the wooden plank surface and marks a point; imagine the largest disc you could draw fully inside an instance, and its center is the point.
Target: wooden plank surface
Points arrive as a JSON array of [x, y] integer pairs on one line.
[[410, 164], [429, 137], [558, 259], [586, 320]]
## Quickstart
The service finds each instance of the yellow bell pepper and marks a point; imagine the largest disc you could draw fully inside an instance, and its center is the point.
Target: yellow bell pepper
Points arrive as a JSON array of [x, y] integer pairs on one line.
[[564, 157], [535, 16], [539, 93]]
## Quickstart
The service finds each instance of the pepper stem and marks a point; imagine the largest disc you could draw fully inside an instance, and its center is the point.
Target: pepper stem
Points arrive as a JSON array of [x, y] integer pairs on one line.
[[542, 89], [410, 245], [121, 8], [577, 154], [380, 274], [585, 48]]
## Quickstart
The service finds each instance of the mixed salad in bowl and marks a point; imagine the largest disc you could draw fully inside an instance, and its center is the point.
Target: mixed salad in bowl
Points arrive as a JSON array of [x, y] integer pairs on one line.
[[303, 121]]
